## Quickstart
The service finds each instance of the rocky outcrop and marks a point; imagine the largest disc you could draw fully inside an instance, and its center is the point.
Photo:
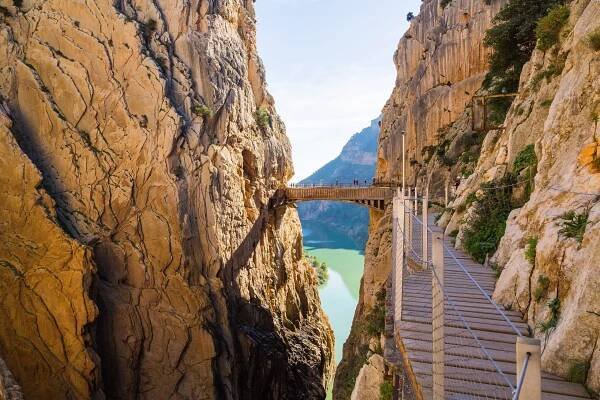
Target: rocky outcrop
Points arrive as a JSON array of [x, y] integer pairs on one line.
[[441, 63], [159, 150], [45, 277], [369, 379], [557, 114]]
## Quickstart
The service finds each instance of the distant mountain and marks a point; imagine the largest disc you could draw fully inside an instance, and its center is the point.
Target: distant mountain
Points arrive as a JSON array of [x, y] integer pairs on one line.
[[356, 161]]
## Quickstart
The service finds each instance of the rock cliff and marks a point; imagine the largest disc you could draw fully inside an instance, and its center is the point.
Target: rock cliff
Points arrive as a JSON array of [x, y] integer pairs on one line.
[[441, 63], [143, 257], [549, 272]]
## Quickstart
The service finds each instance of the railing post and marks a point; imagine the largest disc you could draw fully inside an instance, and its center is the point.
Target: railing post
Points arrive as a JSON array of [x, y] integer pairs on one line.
[[437, 314], [425, 225], [416, 209], [446, 193], [531, 388], [408, 225], [397, 255]]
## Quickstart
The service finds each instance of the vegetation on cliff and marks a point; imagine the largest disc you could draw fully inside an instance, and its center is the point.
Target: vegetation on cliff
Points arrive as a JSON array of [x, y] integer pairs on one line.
[[485, 226], [320, 268], [513, 39]]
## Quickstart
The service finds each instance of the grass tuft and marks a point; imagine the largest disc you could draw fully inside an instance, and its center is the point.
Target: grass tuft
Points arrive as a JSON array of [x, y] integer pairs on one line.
[[550, 324], [386, 391], [543, 283], [263, 118], [573, 225], [531, 249], [593, 40], [578, 372]]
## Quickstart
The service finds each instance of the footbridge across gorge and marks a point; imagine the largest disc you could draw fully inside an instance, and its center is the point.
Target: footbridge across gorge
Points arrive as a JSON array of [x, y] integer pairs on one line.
[[376, 197], [445, 337]]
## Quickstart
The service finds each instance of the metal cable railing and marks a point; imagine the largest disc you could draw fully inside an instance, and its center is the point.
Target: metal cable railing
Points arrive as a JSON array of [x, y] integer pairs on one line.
[[470, 366], [517, 391], [471, 332], [474, 281], [467, 355], [469, 338]]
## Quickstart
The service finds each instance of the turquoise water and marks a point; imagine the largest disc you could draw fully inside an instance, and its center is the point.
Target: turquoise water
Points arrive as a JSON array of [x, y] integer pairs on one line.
[[339, 295]]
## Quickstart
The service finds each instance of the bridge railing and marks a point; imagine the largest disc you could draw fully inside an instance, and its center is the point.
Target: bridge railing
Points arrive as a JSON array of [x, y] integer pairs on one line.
[[460, 356], [343, 184]]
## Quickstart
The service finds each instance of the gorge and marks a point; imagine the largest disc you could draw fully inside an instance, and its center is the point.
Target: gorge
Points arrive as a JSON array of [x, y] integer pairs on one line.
[[147, 247]]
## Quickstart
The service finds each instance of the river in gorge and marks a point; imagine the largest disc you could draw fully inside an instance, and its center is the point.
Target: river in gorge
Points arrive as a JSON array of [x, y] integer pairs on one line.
[[339, 295]]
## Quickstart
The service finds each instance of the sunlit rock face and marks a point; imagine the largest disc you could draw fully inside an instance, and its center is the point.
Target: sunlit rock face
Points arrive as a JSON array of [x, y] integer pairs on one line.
[[558, 117], [141, 258], [441, 63]]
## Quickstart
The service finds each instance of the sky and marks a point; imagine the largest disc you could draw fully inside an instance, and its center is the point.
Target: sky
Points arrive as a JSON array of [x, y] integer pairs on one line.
[[330, 67]]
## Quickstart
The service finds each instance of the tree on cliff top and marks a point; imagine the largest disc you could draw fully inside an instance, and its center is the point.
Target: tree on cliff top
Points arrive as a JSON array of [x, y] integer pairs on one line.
[[513, 39]]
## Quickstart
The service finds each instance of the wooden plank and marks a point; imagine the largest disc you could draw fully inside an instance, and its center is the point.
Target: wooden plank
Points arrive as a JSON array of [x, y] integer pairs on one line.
[[485, 335], [555, 385]]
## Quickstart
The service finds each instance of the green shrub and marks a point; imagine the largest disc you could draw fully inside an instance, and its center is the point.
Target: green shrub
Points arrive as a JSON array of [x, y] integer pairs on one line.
[[375, 320], [549, 27], [525, 159], [467, 170], [573, 225], [202, 111], [386, 391], [18, 3], [593, 40], [454, 233], [512, 40], [531, 249], [444, 3], [471, 198], [578, 372], [546, 103], [497, 110], [263, 118], [320, 268], [551, 323], [543, 283], [484, 229]]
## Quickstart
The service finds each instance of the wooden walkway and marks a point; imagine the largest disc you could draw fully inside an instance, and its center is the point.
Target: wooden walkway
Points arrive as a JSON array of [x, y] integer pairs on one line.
[[468, 372], [370, 196]]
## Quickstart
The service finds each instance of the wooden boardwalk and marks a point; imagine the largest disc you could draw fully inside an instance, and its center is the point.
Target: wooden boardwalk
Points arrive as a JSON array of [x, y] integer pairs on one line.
[[469, 374], [370, 196]]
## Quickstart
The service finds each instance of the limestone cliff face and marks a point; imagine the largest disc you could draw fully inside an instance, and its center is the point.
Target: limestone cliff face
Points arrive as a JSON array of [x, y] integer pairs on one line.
[[143, 255], [441, 63], [557, 114]]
